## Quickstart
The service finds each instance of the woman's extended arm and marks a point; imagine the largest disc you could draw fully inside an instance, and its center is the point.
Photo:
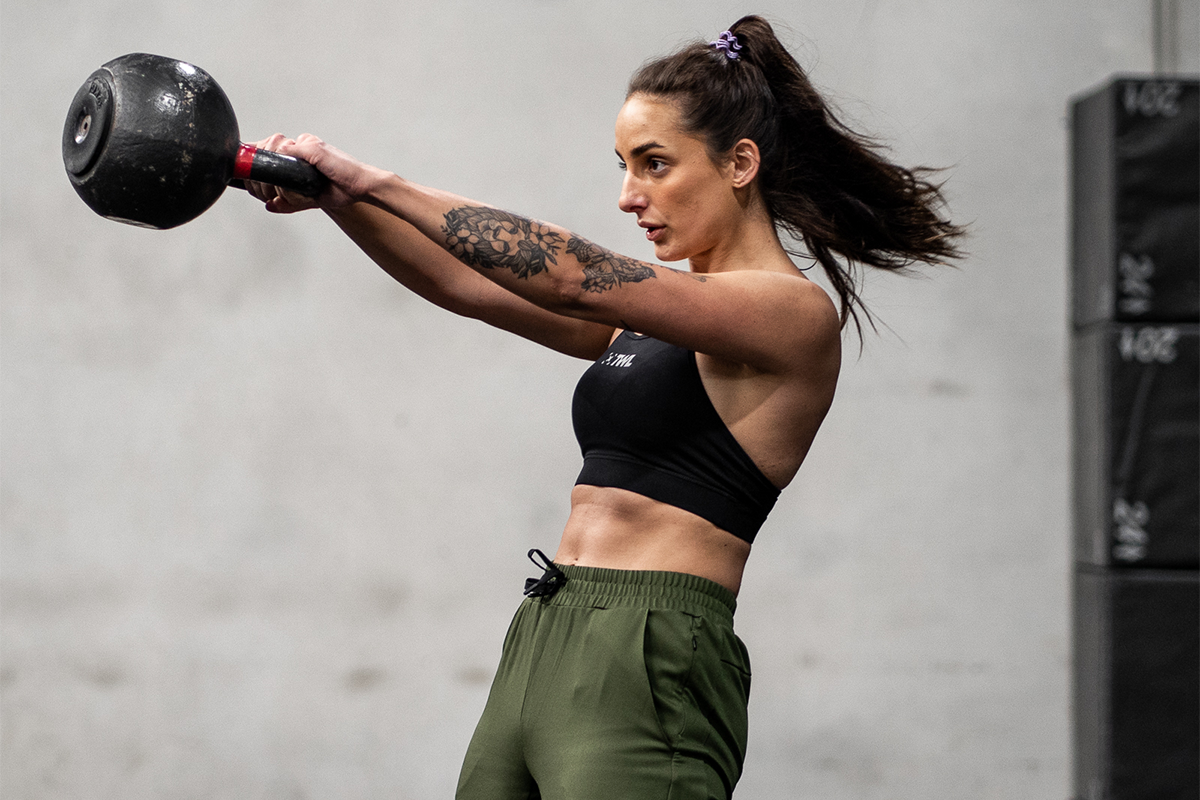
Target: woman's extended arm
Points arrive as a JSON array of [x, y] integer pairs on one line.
[[571, 277], [426, 269], [429, 271]]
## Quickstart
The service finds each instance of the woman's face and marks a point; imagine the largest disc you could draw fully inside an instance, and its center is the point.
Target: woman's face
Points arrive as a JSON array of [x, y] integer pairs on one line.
[[685, 202]]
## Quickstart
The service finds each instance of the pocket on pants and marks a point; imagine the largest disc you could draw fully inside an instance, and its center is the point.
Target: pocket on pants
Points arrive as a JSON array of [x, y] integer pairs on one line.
[[699, 673], [669, 651]]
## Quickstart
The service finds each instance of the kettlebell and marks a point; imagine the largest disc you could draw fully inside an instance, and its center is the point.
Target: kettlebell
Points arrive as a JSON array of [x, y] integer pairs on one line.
[[153, 141]]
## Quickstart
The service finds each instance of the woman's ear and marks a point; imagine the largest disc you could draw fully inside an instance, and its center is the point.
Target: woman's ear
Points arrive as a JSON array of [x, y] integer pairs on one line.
[[745, 160]]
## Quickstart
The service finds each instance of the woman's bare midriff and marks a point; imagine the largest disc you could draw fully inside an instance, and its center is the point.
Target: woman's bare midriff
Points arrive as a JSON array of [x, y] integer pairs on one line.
[[617, 529]]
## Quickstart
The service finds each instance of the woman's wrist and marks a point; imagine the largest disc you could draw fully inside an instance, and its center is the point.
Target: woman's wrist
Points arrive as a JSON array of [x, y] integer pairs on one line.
[[382, 188]]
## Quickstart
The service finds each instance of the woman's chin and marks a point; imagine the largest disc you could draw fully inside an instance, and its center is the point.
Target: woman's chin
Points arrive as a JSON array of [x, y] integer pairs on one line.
[[664, 252]]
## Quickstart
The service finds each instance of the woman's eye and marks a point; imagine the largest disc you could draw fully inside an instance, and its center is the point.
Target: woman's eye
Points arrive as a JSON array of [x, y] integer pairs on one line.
[[621, 166], [655, 165]]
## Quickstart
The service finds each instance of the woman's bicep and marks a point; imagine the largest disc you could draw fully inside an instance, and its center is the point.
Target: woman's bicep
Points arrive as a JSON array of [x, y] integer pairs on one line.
[[767, 320]]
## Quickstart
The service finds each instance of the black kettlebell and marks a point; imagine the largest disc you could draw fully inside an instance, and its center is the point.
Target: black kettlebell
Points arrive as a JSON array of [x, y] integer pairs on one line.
[[153, 141]]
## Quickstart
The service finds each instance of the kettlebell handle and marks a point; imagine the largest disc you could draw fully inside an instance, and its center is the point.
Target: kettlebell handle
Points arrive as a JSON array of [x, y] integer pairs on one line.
[[286, 172]]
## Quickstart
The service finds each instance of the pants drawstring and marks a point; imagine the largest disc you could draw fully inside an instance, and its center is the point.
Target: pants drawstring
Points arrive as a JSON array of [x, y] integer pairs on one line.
[[551, 581]]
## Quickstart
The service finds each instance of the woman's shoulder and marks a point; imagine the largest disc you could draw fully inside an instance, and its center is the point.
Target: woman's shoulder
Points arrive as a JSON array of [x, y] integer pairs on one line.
[[789, 292], [793, 317]]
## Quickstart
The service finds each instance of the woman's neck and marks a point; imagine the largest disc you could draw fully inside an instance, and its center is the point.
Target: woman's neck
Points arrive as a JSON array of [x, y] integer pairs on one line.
[[752, 244]]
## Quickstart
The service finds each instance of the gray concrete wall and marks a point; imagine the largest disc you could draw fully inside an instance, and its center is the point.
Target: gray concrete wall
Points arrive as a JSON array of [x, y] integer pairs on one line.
[[265, 513]]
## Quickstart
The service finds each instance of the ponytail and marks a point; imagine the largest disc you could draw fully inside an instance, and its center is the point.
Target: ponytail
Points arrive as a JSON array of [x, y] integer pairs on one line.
[[823, 184]]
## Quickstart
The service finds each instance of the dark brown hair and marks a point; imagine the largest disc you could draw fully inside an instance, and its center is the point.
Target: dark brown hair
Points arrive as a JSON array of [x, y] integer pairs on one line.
[[823, 184]]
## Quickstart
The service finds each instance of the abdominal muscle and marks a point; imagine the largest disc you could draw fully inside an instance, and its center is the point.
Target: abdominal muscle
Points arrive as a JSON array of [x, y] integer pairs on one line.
[[618, 529]]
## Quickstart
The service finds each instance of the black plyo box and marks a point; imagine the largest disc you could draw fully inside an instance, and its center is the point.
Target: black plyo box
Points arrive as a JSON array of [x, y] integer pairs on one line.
[[1136, 684], [1137, 445], [1135, 172]]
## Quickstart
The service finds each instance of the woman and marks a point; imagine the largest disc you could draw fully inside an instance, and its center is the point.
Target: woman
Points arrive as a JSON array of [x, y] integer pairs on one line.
[[621, 675]]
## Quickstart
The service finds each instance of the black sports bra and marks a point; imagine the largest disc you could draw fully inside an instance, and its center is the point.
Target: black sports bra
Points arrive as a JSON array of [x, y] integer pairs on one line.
[[645, 423]]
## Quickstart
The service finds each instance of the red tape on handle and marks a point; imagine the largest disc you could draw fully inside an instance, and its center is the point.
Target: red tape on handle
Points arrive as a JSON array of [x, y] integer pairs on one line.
[[243, 162]]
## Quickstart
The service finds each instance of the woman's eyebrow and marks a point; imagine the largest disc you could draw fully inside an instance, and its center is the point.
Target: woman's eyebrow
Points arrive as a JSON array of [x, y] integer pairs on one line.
[[641, 149]]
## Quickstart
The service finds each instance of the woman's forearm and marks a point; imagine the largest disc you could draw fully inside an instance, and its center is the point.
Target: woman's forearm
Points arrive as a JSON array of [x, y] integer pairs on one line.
[[407, 255], [428, 270], [542, 263]]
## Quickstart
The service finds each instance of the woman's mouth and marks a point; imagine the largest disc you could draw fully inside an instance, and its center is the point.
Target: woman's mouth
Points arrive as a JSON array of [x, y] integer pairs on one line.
[[654, 232]]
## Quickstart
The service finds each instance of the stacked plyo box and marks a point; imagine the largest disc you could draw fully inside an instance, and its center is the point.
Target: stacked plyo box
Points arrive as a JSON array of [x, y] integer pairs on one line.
[[1136, 380]]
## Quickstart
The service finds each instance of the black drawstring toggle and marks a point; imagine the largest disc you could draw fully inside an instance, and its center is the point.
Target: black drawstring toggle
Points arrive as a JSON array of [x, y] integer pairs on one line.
[[551, 581]]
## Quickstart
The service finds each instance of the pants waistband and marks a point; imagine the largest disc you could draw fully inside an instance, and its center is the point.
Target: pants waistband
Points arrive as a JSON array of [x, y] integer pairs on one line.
[[593, 585]]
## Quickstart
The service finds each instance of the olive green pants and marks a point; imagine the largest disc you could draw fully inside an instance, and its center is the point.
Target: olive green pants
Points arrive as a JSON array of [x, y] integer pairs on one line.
[[621, 686]]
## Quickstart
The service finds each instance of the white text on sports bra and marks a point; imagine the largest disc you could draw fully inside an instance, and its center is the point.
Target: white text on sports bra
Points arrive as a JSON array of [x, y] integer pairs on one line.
[[618, 360]]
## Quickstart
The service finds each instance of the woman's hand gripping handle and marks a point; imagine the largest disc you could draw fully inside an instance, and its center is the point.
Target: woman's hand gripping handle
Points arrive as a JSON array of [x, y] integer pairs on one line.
[[349, 180]]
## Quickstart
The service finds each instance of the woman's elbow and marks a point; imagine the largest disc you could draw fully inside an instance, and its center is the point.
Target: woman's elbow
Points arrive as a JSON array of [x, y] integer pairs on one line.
[[566, 296]]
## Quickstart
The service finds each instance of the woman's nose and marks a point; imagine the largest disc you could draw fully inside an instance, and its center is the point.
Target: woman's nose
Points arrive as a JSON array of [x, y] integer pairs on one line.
[[632, 198]]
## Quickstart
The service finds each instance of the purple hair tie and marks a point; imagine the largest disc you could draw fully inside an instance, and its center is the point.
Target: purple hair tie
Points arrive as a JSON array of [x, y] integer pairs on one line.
[[728, 44]]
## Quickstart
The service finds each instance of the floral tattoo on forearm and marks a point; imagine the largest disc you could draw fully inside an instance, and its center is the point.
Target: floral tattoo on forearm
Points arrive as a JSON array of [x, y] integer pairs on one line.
[[604, 269], [489, 238]]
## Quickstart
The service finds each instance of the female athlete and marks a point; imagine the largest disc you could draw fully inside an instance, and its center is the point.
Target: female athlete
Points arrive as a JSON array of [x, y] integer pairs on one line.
[[621, 676]]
